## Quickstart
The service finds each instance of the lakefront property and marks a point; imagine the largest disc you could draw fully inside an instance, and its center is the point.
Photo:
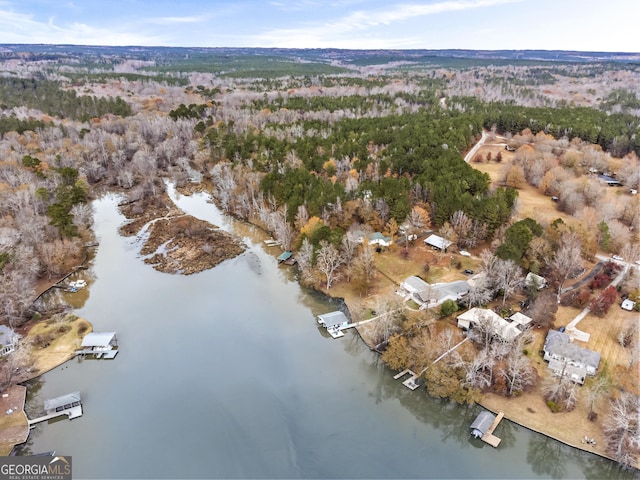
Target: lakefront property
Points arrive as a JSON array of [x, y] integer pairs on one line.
[[251, 185]]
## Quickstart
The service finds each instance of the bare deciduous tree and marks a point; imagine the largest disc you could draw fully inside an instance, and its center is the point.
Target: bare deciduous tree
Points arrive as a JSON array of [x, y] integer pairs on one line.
[[508, 277], [304, 259], [328, 261], [622, 429], [567, 259]]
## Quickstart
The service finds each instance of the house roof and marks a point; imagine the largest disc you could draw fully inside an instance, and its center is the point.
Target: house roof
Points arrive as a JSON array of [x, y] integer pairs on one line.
[[452, 289], [67, 399], [576, 372], [532, 277], [521, 319], [628, 304], [379, 237], [98, 339], [333, 319], [415, 284], [609, 179], [503, 328], [7, 335], [438, 242], [483, 421], [559, 344]]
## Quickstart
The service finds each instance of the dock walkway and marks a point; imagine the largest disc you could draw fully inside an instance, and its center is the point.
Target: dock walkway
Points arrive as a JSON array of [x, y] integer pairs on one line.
[[489, 437], [72, 413], [410, 382]]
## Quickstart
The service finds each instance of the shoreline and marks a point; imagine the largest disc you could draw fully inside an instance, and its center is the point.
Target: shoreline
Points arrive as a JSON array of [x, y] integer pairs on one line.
[[351, 304], [494, 403]]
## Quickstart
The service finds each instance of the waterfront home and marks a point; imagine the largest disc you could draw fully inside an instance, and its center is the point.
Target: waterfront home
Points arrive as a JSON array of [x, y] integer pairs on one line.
[[414, 288], [502, 328], [568, 359], [431, 295], [8, 340], [100, 345], [441, 292], [437, 242]]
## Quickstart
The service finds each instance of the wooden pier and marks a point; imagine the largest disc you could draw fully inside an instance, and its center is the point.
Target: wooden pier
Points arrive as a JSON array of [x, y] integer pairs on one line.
[[410, 382], [489, 437]]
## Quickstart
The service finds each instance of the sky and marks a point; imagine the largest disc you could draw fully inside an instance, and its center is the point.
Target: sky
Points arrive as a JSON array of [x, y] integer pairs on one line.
[[584, 25]]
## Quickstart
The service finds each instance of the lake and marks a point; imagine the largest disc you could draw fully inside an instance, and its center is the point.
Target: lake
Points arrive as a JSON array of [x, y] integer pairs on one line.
[[225, 374]]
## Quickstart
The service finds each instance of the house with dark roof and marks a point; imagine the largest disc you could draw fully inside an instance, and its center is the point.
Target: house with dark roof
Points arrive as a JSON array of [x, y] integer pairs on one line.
[[609, 180], [568, 359]]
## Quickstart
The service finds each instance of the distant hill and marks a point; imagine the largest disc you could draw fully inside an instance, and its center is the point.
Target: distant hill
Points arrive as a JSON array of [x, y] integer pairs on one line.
[[353, 57]]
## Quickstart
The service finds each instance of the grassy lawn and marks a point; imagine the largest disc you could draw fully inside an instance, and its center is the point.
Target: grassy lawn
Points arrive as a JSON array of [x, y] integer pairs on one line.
[[53, 342]]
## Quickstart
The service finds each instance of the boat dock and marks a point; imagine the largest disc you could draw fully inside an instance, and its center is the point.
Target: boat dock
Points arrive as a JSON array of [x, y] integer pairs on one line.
[[410, 382], [100, 345], [484, 425], [489, 437], [69, 405]]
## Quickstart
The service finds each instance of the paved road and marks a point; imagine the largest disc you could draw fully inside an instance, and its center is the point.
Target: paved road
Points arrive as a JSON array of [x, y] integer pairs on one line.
[[476, 147]]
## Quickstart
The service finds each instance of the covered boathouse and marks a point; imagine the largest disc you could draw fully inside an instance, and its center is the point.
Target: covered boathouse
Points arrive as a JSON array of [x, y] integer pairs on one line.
[[100, 345]]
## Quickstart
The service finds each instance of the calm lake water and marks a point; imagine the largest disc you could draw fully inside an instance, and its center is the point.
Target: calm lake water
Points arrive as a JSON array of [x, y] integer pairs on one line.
[[225, 374]]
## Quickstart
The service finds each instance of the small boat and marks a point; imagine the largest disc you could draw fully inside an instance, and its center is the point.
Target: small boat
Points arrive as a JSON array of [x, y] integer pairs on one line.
[[271, 242], [76, 285]]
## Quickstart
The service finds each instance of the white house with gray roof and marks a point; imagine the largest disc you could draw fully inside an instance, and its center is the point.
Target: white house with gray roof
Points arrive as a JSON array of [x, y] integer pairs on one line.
[[568, 359], [502, 328], [431, 295]]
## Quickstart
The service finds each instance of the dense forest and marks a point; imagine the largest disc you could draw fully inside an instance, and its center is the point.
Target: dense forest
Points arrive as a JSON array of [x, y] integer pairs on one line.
[[322, 148]]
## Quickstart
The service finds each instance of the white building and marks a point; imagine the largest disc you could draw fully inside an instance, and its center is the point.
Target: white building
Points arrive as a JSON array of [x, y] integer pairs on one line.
[[503, 328], [437, 242]]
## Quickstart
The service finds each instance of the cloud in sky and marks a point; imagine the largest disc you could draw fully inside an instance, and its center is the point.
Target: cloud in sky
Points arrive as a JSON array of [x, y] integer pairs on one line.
[[334, 33], [474, 24]]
